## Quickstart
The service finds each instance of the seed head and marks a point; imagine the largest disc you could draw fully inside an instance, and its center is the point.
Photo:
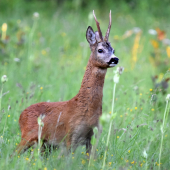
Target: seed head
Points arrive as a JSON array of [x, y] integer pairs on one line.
[[4, 79]]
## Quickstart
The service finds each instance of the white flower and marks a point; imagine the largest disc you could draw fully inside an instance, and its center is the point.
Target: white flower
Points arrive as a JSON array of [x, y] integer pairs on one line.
[[16, 59], [152, 32], [145, 155], [36, 15], [4, 79], [116, 78], [168, 97], [136, 30]]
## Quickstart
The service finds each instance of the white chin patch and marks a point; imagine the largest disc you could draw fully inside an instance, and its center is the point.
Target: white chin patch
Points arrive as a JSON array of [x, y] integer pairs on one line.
[[112, 65]]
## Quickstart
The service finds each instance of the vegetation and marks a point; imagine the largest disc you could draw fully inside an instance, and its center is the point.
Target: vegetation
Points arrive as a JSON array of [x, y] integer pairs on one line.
[[44, 53]]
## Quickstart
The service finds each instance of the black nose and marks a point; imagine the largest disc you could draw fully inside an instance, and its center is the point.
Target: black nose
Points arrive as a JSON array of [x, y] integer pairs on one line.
[[114, 60]]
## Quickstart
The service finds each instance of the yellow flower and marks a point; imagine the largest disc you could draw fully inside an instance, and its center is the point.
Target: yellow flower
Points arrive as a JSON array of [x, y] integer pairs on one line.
[[121, 116], [72, 157], [45, 168], [130, 110], [82, 152], [152, 109], [87, 154], [121, 158], [168, 51], [41, 88], [43, 52], [18, 156], [96, 149], [16, 144], [110, 112], [151, 90], [72, 153], [154, 44], [118, 137], [127, 160], [141, 164], [8, 115], [54, 169], [136, 108], [141, 108], [133, 162], [83, 161], [166, 135], [129, 151], [33, 163], [140, 94], [110, 163], [27, 159], [4, 27]]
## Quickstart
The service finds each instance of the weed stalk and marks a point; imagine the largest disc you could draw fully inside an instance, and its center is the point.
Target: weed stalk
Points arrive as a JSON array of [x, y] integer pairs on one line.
[[162, 127]]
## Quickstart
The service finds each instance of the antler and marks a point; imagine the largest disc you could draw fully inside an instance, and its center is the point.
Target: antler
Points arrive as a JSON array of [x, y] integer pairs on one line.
[[108, 30], [98, 26]]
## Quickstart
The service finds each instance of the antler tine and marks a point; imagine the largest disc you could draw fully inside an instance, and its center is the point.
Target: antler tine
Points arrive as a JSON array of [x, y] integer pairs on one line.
[[109, 27], [98, 26]]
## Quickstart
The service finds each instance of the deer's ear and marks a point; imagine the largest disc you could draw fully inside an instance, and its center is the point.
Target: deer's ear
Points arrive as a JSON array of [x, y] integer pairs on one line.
[[90, 36]]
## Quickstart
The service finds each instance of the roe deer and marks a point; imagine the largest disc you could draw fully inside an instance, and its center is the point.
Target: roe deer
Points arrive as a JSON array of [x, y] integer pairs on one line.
[[71, 122]]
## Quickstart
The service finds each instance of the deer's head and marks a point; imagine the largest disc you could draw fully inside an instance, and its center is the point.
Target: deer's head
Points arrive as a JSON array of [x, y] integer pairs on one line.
[[102, 51]]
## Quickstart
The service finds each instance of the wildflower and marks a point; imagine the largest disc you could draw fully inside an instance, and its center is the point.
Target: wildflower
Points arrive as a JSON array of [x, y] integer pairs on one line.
[[110, 163], [82, 152], [8, 115], [155, 44], [27, 159], [152, 32], [43, 52], [129, 151], [152, 109], [130, 110], [36, 15], [72, 153], [166, 135], [18, 156], [111, 154], [16, 59], [168, 97], [45, 168], [151, 90], [4, 79], [141, 164], [140, 94], [83, 161], [33, 163], [168, 51], [4, 29], [141, 108], [132, 162], [136, 108], [121, 116], [72, 157], [117, 137], [127, 160], [87, 154], [121, 158], [145, 155], [41, 88], [16, 144]]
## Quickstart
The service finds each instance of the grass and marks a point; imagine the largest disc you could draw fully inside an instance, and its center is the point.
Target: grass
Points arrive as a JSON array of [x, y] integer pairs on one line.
[[52, 67]]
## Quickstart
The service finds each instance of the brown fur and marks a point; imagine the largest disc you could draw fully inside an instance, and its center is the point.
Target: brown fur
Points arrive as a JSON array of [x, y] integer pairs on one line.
[[70, 122]]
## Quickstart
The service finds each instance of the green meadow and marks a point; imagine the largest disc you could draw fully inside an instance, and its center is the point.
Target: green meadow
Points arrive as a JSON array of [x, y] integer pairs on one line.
[[44, 53]]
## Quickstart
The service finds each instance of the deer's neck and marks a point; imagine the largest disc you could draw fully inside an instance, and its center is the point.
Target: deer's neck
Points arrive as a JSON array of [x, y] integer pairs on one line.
[[90, 94]]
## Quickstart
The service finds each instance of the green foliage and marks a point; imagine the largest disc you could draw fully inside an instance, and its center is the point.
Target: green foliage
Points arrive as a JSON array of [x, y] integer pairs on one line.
[[43, 56]]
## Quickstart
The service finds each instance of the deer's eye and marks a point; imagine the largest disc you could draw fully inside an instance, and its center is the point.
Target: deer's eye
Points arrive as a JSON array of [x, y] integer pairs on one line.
[[100, 50]]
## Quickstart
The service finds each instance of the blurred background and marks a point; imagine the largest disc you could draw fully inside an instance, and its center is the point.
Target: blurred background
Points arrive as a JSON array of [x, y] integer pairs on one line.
[[44, 53]]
